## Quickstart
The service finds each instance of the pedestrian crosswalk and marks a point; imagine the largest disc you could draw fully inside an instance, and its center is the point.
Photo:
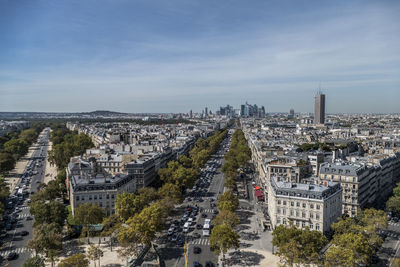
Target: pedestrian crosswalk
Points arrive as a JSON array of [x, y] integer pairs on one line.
[[208, 210], [22, 216], [202, 241], [6, 251], [394, 224]]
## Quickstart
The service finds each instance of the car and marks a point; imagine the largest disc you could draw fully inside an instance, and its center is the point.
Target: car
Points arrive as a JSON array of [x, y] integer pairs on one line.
[[204, 215], [215, 211], [174, 238], [24, 233], [12, 256], [196, 235], [28, 218], [196, 250], [395, 219], [195, 264], [209, 264], [199, 226]]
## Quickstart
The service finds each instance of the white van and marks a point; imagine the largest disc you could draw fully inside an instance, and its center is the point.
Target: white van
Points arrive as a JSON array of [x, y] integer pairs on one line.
[[206, 229], [186, 227]]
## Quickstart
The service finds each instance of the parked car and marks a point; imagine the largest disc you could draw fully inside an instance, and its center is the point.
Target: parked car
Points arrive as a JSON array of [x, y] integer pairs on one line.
[[197, 250], [12, 256]]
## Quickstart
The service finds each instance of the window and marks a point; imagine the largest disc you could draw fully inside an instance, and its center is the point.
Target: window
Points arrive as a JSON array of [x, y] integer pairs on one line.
[[297, 204], [95, 197], [297, 213], [90, 197], [291, 212], [77, 198], [284, 211], [279, 202], [297, 223], [284, 221], [303, 224], [279, 211], [318, 206], [304, 205], [278, 221], [292, 203], [311, 206], [303, 214], [100, 196], [108, 197], [317, 226], [112, 196], [317, 216], [83, 198], [311, 215], [284, 203], [311, 226]]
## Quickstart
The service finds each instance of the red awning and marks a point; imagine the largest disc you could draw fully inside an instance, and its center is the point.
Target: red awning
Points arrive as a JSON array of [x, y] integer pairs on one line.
[[258, 188], [258, 193]]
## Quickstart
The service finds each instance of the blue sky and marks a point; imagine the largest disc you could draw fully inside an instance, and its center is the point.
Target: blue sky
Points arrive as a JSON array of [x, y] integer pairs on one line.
[[177, 55]]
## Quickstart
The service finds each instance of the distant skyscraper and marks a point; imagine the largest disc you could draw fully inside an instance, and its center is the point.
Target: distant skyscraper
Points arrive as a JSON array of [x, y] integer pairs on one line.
[[206, 112], [190, 114], [319, 109], [291, 113]]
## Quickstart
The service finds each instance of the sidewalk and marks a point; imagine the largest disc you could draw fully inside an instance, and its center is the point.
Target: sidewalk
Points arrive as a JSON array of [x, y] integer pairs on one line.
[[15, 175], [50, 172]]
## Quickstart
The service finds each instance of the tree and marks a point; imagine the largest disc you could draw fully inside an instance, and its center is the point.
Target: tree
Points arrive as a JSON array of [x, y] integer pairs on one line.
[[46, 239], [35, 261], [49, 212], [393, 204], [141, 228], [185, 161], [111, 225], [355, 248], [222, 238], [230, 183], [228, 201], [298, 245], [396, 190], [95, 253], [16, 147], [77, 260], [172, 191], [124, 205], [7, 162], [88, 214], [226, 217]]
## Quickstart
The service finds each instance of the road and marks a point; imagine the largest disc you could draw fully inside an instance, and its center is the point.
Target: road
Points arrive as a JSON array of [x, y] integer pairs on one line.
[[172, 253], [13, 241]]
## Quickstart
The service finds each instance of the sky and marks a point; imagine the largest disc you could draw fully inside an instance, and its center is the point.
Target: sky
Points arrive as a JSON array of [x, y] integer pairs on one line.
[[178, 55]]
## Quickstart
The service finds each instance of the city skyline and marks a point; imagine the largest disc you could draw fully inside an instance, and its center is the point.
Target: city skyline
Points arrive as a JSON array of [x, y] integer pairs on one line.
[[178, 56]]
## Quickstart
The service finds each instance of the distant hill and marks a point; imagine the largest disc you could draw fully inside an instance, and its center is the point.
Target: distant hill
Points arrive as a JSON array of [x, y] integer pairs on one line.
[[103, 113]]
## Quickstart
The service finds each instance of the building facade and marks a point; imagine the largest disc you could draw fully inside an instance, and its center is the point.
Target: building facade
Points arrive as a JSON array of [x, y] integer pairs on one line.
[[319, 109], [304, 205]]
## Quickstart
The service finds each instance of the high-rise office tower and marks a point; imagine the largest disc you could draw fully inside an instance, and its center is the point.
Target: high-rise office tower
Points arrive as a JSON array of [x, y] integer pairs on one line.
[[319, 109], [291, 114], [206, 112], [190, 114]]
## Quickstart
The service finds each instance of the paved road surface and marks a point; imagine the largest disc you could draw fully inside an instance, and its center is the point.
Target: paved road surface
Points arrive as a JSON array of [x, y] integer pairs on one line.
[[14, 242]]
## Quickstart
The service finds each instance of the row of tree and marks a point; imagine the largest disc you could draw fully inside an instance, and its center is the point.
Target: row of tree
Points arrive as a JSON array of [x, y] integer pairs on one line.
[[236, 159], [223, 235], [15, 145], [355, 239], [47, 204], [67, 144], [139, 216], [94, 254]]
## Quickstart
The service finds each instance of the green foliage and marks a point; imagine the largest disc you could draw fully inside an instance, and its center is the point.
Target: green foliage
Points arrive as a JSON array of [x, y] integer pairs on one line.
[[226, 217], [95, 253], [222, 238], [362, 232], [49, 212], [89, 213], [393, 204], [4, 194], [7, 162], [35, 261], [348, 249], [171, 191], [67, 144], [77, 260], [228, 201], [298, 245], [142, 227], [46, 239], [129, 204]]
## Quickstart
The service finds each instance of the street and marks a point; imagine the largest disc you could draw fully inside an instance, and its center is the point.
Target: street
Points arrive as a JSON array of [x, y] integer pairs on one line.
[[15, 240]]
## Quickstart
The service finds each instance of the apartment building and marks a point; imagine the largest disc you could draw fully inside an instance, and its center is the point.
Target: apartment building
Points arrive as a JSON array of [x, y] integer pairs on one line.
[[315, 206]]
